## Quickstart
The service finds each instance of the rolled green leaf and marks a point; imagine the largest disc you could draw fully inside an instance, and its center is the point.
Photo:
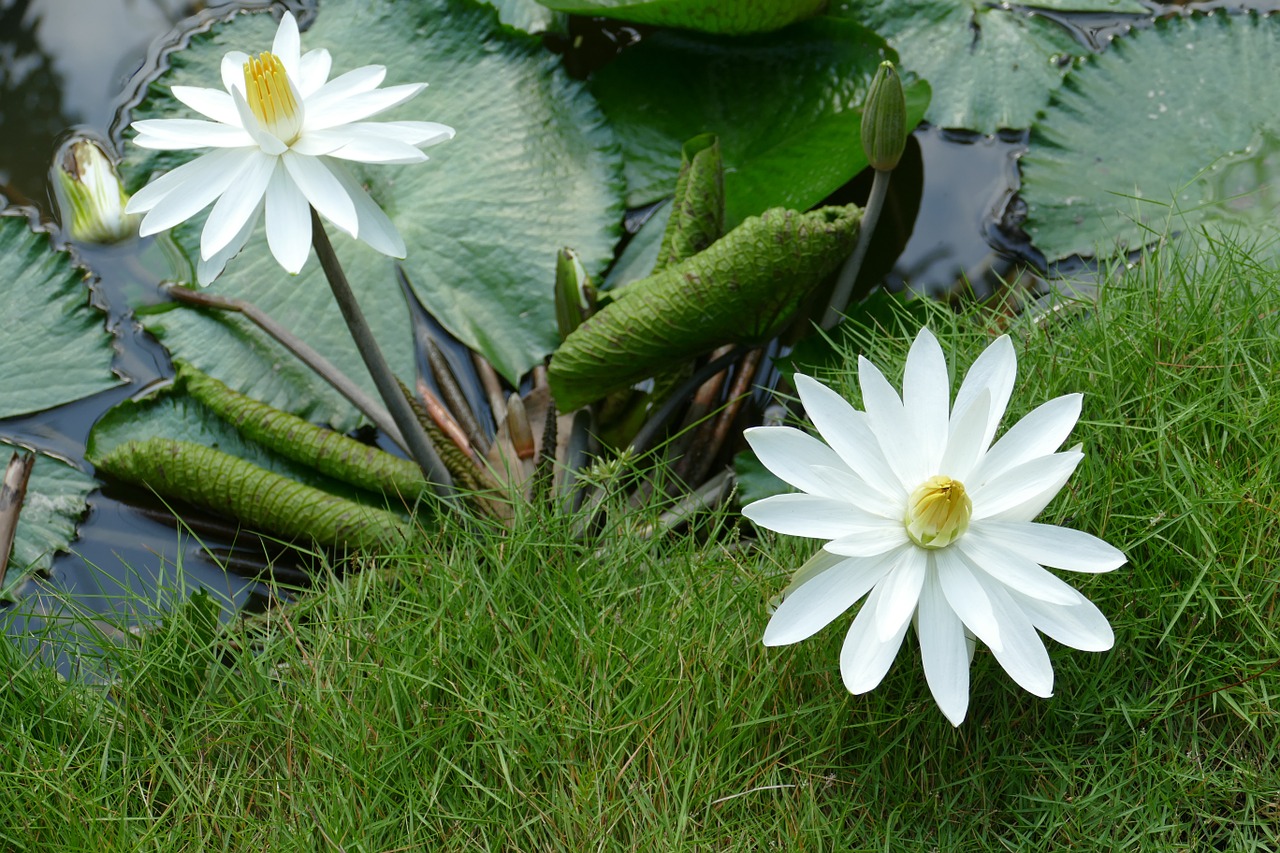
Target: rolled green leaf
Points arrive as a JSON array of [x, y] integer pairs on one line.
[[257, 498], [742, 290], [327, 451], [697, 210]]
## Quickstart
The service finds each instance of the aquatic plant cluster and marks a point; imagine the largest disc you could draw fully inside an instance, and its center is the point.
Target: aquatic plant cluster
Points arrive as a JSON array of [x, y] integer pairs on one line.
[[554, 358]]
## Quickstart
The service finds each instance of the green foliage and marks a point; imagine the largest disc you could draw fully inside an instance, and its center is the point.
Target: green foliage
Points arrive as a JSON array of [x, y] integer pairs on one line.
[[1204, 89], [697, 208], [55, 502], [991, 65], [785, 107], [54, 348], [729, 17], [526, 135], [521, 689], [743, 289], [329, 452], [258, 498]]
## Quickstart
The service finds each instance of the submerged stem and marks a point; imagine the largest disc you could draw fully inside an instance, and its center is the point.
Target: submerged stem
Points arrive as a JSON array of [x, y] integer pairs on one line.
[[849, 272], [388, 387]]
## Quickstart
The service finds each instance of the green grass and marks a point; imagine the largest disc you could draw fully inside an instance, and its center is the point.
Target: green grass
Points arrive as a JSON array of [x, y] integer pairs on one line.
[[523, 691]]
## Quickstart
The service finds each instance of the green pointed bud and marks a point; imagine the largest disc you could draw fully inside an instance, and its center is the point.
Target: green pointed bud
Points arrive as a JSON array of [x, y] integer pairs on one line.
[[884, 120], [90, 196], [575, 295]]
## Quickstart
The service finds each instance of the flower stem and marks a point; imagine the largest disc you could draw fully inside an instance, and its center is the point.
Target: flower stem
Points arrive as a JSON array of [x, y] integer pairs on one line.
[[849, 272], [388, 387], [303, 351]]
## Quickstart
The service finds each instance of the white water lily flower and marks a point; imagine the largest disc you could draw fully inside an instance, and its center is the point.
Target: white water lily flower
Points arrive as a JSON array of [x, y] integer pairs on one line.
[[279, 131], [933, 523]]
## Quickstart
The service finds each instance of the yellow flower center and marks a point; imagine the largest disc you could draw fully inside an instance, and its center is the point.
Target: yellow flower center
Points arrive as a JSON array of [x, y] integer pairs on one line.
[[938, 512], [271, 97]]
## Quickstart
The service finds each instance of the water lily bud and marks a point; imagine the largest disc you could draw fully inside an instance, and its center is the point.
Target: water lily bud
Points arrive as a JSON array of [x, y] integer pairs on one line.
[[884, 120], [575, 296], [90, 196]]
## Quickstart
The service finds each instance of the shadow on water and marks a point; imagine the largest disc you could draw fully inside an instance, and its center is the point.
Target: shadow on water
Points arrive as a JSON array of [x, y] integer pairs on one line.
[[71, 65]]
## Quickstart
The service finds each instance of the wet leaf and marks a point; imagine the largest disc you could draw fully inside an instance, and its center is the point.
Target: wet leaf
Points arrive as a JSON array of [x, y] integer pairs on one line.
[[728, 17], [533, 168], [991, 66], [55, 502], [55, 347], [786, 108], [1173, 128]]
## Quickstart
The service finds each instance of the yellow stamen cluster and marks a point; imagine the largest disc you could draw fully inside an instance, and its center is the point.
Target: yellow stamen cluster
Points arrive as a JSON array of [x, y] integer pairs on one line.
[[271, 97], [938, 512]]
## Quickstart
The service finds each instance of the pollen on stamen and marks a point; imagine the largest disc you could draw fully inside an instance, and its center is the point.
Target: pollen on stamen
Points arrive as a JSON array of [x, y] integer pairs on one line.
[[271, 97]]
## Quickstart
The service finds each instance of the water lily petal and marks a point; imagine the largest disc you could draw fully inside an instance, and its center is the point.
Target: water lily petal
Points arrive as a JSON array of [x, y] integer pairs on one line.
[[864, 658], [900, 591], [813, 516], [967, 597], [1022, 653], [995, 369], [376, 228], [196, 185], [812, 606], [926, 395], [357, 107], [363, 79], [420, 133], [208, 269], [200, 169], [371, 149], [266, 140], [1039, 433], [847, 486], [849, 434], [894, 433], [1080, 626], [187, 134], [233, 70], [1015, 571], [967, 439], [943, 649], [288, 222], [791, 455], [211, 103], [1050, 545], [287, 45], [870, 540], [1022, 484], [233, 209], [313, 71], [323, 190]]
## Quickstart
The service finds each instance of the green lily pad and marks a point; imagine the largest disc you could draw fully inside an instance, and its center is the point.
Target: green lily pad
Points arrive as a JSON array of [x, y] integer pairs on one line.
[[1175, 127], [991, 66], [54, 504], [55, 347], [533, 168], [527, 16], [729, 17], [787, 109]]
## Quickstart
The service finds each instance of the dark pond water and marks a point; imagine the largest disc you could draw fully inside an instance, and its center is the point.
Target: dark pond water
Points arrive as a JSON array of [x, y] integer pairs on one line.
[[71, 65]]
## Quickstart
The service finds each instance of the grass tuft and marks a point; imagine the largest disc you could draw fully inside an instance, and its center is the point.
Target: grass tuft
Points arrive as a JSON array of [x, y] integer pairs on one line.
[[519, 690]]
